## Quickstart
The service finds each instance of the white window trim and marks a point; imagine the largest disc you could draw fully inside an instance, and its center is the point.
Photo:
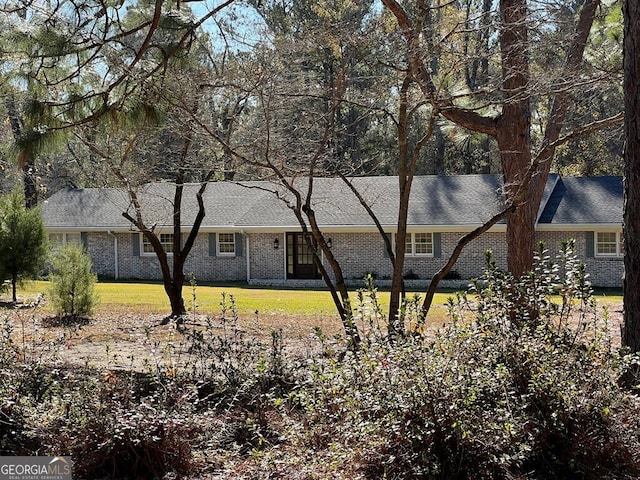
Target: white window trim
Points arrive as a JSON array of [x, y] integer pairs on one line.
[[65, 240], [412, 236], [618, 245], [144, 241], [226, 254]]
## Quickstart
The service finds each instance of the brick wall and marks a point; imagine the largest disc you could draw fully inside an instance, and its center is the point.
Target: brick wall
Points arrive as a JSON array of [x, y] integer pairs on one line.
[[603, 271], [472, 262], [358, 254], [216, 268], [267, 263], [136, 267], [102, 252], [146, 267], [362, 253]]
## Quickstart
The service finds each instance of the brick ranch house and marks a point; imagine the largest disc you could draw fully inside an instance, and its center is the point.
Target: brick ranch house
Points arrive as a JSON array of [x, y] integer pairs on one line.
[[249, 234]]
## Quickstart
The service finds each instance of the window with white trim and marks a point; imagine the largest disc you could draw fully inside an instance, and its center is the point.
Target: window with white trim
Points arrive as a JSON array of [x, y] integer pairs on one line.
[[226, 244], [58, 239], [609, 244], [166, 239], [419, 244]]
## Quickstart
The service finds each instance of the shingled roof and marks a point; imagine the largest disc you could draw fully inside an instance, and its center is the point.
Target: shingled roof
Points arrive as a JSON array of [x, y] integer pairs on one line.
[[464, 200], [584, 201]]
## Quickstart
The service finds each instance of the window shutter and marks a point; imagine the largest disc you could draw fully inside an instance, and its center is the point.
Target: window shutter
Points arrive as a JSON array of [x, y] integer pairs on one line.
[[385, 253], [238, 244], [437, 248], [212, 245], [85, 240], [135, 242], [590, 238]]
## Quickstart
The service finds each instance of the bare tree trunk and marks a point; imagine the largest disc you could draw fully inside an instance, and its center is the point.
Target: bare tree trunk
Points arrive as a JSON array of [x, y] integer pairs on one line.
[[512, 128], [631, 326], [397, 293], [341, 301], [174, 292], [14, 296], [520, 224], [438, 167], [25, 160], [514, 131], [407, 161], [30, 185], [179, 256]]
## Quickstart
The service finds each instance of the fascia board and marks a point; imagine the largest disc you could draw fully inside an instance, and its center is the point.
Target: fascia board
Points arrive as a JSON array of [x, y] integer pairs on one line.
[[500, 227], [281, 228], [567, 227], [80, 228], [371, 228]]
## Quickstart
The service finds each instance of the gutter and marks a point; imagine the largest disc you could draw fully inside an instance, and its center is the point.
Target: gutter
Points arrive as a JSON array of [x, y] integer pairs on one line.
[[567, 227]]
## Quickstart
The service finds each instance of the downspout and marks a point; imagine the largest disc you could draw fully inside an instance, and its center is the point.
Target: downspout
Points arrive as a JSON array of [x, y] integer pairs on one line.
[[248, 259], [116, 270], [284, 255]]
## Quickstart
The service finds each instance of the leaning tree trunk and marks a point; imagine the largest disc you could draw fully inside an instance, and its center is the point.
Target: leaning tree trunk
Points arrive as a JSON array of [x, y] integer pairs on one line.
[[631, 326]]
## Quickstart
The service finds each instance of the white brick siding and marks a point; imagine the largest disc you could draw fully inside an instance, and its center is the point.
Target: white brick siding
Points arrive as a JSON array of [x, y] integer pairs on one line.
[[101, 250], [266, 262], [215, 268], [362, 253], [146, 267], [358, 254], [603, 271]]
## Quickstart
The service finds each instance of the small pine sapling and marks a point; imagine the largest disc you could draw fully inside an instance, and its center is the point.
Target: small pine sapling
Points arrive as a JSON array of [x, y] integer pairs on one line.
[[72, 282]]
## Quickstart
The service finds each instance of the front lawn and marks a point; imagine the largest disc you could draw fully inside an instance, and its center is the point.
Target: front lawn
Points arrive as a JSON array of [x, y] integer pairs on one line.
[[150, 298]]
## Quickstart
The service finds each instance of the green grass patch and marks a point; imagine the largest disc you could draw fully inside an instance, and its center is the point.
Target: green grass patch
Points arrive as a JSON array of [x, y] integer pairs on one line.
[[150, 298]]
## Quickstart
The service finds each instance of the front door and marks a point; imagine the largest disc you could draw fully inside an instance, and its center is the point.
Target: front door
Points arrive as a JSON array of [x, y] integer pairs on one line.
[[300, 262]]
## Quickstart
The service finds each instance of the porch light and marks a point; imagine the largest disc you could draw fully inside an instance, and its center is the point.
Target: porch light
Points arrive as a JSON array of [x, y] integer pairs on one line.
[[329, 243], [276, 244]]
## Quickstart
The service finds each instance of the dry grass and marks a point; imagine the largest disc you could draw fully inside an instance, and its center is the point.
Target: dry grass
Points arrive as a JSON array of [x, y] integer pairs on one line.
[[127, 329], [121, 338]]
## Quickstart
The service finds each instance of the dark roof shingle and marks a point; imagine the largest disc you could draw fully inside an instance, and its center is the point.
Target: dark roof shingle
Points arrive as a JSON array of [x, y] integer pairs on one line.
[[435, 201], [584, 201]]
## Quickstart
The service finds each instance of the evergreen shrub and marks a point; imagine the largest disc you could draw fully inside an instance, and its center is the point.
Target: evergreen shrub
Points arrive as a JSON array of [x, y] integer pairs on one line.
[[522, 383], [72, 282]]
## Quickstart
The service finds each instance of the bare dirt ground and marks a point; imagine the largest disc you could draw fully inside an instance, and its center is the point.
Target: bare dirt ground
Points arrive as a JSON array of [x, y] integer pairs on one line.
[[129, 340], [124, 341]]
